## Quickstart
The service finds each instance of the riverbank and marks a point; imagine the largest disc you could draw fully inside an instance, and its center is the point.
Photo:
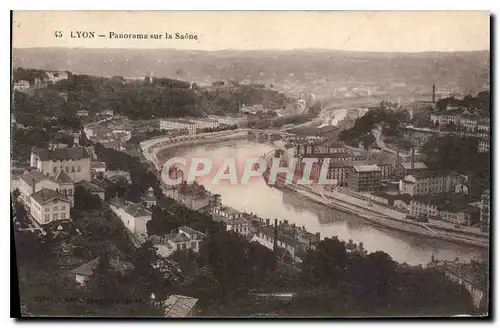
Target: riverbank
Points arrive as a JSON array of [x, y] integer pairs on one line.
[[370, 214]]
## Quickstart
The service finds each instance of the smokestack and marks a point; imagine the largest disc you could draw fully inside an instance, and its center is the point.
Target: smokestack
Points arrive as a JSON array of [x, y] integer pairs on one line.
[[275, 246], [412, 157], [433, 93]]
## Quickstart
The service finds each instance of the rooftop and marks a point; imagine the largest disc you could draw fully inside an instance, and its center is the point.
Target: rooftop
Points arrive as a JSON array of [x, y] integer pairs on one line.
[[116, 264], [366, 168], [178, 306], [97, 165], [45, 195], [61, 154], [33, 176], [63, 178], [229, 210]]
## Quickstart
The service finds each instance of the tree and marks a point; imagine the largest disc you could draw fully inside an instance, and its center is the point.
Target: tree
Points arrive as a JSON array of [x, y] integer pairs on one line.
[[326, 264], [84, 200]]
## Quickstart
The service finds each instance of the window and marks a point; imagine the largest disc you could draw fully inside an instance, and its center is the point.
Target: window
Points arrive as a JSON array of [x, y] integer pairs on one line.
[[193, 245], [63, 216], [64, 193], [47, 218], [55, 216], [63, 207], [56, 208], [67, 169], [178, 247], [47, 209], [54, 169], [78, 169], [72, 169], [70, 192], [184, 245]]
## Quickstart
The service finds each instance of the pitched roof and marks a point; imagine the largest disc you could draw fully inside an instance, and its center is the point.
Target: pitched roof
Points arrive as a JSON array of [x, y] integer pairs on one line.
[[238, 221], [136, 210], [178, 306], [33, 176], [116, 264], [63, 178], [62, 154], [45, 195]]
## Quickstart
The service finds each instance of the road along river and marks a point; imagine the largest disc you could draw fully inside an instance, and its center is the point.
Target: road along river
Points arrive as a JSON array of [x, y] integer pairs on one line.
[[268, 202]]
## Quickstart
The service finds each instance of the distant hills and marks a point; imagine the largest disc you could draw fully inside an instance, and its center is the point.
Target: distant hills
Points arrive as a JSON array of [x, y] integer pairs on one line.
[[467, 70]]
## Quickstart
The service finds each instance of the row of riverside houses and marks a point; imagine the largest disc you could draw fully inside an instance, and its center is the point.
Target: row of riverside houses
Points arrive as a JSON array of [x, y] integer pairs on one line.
[[408, 186]]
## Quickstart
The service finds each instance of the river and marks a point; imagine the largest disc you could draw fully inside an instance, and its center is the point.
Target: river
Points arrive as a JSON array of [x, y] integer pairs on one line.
[[267, 202]]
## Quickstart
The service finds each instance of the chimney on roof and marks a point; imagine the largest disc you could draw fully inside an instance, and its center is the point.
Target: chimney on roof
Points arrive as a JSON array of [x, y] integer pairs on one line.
[[433, 93], [412, 157], [33, 185], [275, 245]]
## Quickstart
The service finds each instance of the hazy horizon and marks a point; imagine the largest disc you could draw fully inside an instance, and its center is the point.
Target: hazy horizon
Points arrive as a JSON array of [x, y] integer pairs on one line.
[[359, 31]]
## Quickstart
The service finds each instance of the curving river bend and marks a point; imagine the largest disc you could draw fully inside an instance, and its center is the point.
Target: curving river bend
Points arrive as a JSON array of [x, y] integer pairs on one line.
[[259, 198]]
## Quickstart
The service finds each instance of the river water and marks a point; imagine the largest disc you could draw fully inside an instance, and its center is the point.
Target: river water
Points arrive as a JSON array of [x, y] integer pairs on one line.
[[259, 198]]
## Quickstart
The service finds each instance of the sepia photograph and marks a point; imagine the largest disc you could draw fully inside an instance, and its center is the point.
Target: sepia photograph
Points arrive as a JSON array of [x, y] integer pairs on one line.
[[250, 164]]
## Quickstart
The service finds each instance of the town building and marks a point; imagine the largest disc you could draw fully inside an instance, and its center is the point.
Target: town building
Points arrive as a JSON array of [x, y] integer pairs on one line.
[[399, 201], [190, 124], [149, 198], [82, 113], [185, 239], [75, 161], [21, 85], [484, 145], [85, 271], [407, 168], [194, 196], [55, 77], [428, 182], [238, 225], [446, 207], [92, 188], [472, 277], [31, 182], [178, 306], [364, 178], [226, 213], [97, 167], [48, 206], [133, 215], [485, 210]]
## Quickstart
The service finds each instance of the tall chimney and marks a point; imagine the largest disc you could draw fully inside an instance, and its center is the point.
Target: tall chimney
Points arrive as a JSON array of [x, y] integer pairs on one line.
[[433, 93], [275, 245], [33, 186], [412, 157]]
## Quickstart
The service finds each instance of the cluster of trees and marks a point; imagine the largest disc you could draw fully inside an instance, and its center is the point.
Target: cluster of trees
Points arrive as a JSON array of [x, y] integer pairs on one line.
[[28, 74], [46, 289], [332, 282], [457, 153], [171, 217], [220, 128], [389, 120], [482, 102], [142, 179]]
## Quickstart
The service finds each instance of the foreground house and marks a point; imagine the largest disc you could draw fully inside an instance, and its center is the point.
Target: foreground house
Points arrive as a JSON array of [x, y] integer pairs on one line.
[[83, 272], [185, 239], [133, 215], [178, 306], [47, 206], [75, 161]]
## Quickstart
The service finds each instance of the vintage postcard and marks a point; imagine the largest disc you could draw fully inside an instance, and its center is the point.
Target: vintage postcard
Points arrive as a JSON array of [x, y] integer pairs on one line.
[[251, 164]]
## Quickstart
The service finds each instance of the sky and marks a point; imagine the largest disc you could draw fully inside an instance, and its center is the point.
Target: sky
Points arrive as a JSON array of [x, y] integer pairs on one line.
[[396, 31]]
